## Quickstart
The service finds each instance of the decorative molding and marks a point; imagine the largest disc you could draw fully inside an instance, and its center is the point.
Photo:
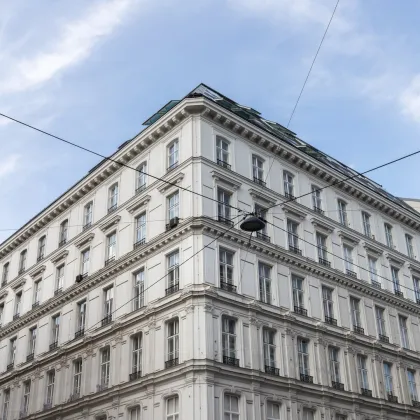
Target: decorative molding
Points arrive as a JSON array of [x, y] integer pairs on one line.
[[414, 268], [257, 195], [348, 237], [393, 259], [60, 256], [222, 178], [372, 249], [174, 180], [137, 204], [322, 225], [293, 211], [84, 240], [37, 271], [110, 223], [3, 294], [19, 284]]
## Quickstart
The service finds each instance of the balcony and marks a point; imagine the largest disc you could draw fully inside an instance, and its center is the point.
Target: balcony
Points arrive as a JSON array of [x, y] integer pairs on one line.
[[102, 387], [383, 338], [272, 370], [289, 196], [172, 167], [306, 378], [74, 396], [259, 181], [223, 164], [47, 405], [112, 208], [351, 274], [295, 250], [325, 262], [140, 188], [35, 304], [107, 320], [3, 283], [135, 375], [140, 243], [172, 362], [110, 260], [359, 330], [87, 226], [58, 291], [263, 237], [30, 357], [225, 221], [398, 293], [16, 316], [10, 366], [79, 333], [21, 270], [172, 289], [392, 398], [337, 385], [366, 392], [40, 258], [62, 242], [53, 346], [331, 321], [318, 210], [376, 284], [416, 403], [300, 310], [231, 361], [228, 286]]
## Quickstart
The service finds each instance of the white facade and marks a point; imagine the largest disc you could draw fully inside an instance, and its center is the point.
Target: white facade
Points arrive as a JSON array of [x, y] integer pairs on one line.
[[317, 319]]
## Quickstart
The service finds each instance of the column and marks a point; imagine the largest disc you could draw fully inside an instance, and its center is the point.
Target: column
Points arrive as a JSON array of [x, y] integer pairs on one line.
[[256, 345]]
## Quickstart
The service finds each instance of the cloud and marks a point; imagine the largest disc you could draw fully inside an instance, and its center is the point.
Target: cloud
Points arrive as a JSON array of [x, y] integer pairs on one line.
[[73, 45], [410, 99], [9, 165]]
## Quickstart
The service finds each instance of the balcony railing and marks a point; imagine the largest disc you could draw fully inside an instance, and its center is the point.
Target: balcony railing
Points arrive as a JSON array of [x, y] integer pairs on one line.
[[54, 345], [223, 164], [337, 385], [228, 286], [418, 301], [16, 316], [318, 210], [110, 260], [325, 262], [39, 258], [74, 396], [416, 403], [225, 221], [366, 392], [172, 167], [300, 310], [112, 208], [330, 320], [271, 370], [392, 398], [140, 243], [289, 196], [306, 378], [383, 338], [107, 320], [376, 284], [35, 304], [398, 293], [171, 363], [172, 289], [295, 249], [140, 188], [135, 375], [10, 366], [62, 242], [58, 291], [21, 270], [359, 330], [47, 405], [79, 333], [263, 236], [351, 273], [230, 361], [259, 181], [30, 357], [101, 387]]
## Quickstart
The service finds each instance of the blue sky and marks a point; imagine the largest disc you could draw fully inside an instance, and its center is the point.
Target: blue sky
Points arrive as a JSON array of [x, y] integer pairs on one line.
[[93, 71]]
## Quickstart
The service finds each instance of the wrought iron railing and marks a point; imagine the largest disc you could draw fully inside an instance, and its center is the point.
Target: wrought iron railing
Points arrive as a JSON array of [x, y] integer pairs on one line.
[[295, 249], [225, 221], [272, 370], [325, 262], [172, 289], [110, 260], [330, 320], [135, 375], [79, 333], [54, 345], [259, 181], [392, 398], [376, 284], [230, 361], [140, 243], [366, 392], [229, 287], [263, 236], [30, 357], [112, 208], [318, 210], [224, 164], [351, 273], [107, 320], [300, 310], [337, 385], [358, 330], [306, 378], [171, 363], [383, 338]]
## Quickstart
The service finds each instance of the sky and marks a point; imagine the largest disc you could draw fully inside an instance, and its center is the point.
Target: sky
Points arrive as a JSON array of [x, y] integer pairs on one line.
[[94, 71]]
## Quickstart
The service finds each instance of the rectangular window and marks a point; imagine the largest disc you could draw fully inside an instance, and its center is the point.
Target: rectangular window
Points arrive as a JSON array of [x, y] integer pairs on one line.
[[12, 350], [37, 292], [409, 243], [231, 407], [298, 293], [138, 290], [140, 229], [5, 274], [257, 169], [316, 198], [173, 340], [225, 267], [265, 282], [26, 396], [389, 387], [416, 283], [373, 272], [135, 413], [173, 270], [348, 258], [228, 339], [405, 343], [141, 177], [411, 378], [105, 366], [64, 227], [87, 215], [288, 185], [173, 155], [395, 280], [223, 205], [18, 301], [269, 348], [77, 377], [111, 245], [113, 198], [273, 411], [328, 303], [136, 359], [59, 278], [380, 322], [173, 206], [388, 235], [55, 329], [1, 313], [321, 244], [6, 402], [41, 248], [50, 388], [342, 212], [22, 261], [262, 212], [355, 312], [85, 260], [81, 317], [292, 235], [366, 224], [303, 356], [222, 151], [109, 302], [362, 370], [172, 408], [334, 354], [32, 341], [307, 414]]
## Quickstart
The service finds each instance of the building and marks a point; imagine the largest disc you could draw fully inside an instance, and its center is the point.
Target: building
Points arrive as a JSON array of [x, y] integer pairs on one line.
[[111, 308]]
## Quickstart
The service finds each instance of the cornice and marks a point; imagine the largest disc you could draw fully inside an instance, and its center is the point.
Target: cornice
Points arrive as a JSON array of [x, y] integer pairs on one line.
[[110, 223], [18, 285], [3, 294], [266, 197], [293, 211], [348, 237], [37, 271], [230, 181], [415, 268], [322, 225], [170, 182], [61, 256], [84, 240], [394, 260], [138, 203], [372, 249]]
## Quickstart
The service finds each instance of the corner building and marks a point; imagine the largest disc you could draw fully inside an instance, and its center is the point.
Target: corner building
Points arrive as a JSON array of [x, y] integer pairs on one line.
[[109, 310]]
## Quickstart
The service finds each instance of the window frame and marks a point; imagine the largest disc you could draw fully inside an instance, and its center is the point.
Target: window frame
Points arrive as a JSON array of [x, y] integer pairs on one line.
[[139, 278], [111, 247], [367, 227], [32, 337], [389, 240], [227, 411], [224, 204], [140, 229], [362, 371], [355, 312], [298, 294], [229, 337], [269, 347], [342, 212], [172, 268], [105, 367], [172, 339], [404, 331], [388, 378], [113, 196], [85, 262], [409, 242], [221, 152], [293, 234], [288, 184], [77, 376], [334, 356], [81, 315], [141, 175], [175, 144], [137, 353], [303, 352], [328, 301], [50, 387], [64, 232], [316, 197], [173, 208], [257, 171], [265, 282], [175, 415], [88, 214], [42, 241]]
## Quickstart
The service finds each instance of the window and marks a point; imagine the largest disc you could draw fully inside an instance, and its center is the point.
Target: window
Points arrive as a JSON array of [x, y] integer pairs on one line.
[[388, 235], [85, 259], [303, 356], [355, 312], [225, 267], [1, 313], [138, 290], [298, 294], [5, 274], [59, 278], [173, 206], [395, 280], [173, 270], [109, 300], [105, 366], [141, 177], [140, 229], [81, 317], [32, 340], [342, 212], [402, 320], [327, 299], [411, 378], [348, 258], [334, 354], [22, 261], [50, 387], [222, 151], [362, 370], [18, 301], [55, 330], [173, 339], [64, 227], [409, 243], [231, 407], [265, 282], [316, 198], [111, 244], [366, 224], [257, 169], [321, 243], [6, 402], [261, 212], [41, 247], [228, 340], [292, 236], [77, 377], [307, 414], [113, 198], [136, 359], [12, 350], [373, 273], [273, 411], [269, 348], [172, 408], [380, 322], [223, 205], [26, 396], [135, 413], [173, 155], [87, 215], [288, 184], [416, 283], [389, 388], [37, 292]]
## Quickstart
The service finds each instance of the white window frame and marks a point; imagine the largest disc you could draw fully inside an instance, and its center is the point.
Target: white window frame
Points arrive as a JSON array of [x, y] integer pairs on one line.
[[321, 243], [59, 278], [410, 245], [18, 302], [172, 261], [316, 198], [140, 223], [222, 150], [37, 291], [293, 234], [111, 246], [224, 198], [273, 410], [6, 403], [173, 205], [356, 317], [12, 350], [228, 410], [335, 364], [264, 274], [5, 273], [257, 168], [380, 320], [22, 260], [108, 302], [85, 261], [41, 247], [269, 344], [135, 413], [113, 192], [416, 284], [348, 258], [64, 231], [373, 272], [229, 337], [328, 301], [367, 228], [388, 235], [362, 370], [388, 381], [395, 278], [404, 333], [81, 315], [138, 289], [55, 328], [288, 184], [105, 366], [141, 178], [412, 386], [137, 353], [172, 414], [342, 212], [88, 214], [173, 154], [32, 340], [77, 376], [298, 291], [303, 356], [49, 399], [172, 339]]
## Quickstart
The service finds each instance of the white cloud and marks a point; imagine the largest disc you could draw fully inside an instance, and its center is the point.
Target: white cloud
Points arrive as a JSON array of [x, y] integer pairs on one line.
[[72, 46], [9, 165], [410, 99]]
